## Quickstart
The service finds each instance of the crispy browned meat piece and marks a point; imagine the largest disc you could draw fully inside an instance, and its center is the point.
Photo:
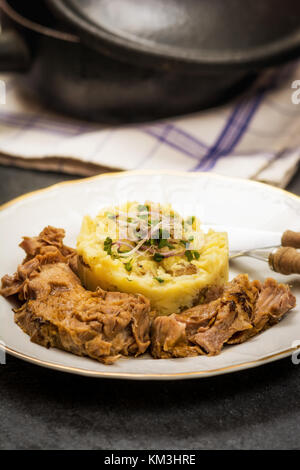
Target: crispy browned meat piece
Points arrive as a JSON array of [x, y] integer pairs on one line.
[[169, 339], [48, 240], [273, 301], [59, 312], [244, 309]]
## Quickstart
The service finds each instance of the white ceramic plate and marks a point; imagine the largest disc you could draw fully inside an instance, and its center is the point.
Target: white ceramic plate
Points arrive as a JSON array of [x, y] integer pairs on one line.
[[253, 214]]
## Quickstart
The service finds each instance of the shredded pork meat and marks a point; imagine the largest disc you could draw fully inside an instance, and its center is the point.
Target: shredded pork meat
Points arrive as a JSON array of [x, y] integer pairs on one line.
[[243, 309], [57, 311]]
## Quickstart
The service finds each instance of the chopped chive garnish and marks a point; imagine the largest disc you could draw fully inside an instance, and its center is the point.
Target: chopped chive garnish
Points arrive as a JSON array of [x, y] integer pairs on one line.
[[189, 255], [157, 257], [192, 255], [128, 266], [107, 245], [162, 243], [152, 235], [159, 279]]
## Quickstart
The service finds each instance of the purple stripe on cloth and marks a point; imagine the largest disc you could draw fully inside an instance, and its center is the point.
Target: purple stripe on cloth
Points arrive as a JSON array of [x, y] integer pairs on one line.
[[19, 120], [175, 146], [228, 150], [222, 136], [180, 133], [178, 139], [248, 112], [157, 128], [166, 129], [20, 129], [50, 125], [237, 125]]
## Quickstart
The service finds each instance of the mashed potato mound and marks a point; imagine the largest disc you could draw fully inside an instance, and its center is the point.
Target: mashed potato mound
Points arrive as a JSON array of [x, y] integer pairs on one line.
[[151, 250]]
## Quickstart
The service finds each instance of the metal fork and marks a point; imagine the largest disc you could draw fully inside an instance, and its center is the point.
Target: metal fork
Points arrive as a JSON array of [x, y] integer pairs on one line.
[[262, 254], [284, 258]]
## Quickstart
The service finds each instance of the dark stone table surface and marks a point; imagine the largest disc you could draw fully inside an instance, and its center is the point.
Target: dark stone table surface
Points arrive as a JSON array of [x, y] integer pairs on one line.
[[43, 409]]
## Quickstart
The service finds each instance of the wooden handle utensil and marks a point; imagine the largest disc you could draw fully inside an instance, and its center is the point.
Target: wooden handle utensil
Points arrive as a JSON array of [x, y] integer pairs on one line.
[[290, 238], [285, 260]]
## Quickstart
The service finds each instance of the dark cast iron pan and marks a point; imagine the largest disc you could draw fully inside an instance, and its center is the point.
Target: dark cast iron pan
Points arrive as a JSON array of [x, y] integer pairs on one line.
[[194, 35], [111, 78]]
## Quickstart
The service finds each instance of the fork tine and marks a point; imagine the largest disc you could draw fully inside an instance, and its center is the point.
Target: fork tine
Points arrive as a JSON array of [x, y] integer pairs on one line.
[[258, 253]]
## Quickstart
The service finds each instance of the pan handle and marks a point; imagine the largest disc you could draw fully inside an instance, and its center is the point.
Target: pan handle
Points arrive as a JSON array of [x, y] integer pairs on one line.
[[14, 53]]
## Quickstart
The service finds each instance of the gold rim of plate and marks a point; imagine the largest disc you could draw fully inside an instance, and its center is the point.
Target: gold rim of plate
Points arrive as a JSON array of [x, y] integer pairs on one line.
[[133, 375]]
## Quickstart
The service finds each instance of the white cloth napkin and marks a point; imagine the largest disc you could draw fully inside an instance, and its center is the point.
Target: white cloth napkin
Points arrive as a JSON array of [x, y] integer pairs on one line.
[[256, 136]]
